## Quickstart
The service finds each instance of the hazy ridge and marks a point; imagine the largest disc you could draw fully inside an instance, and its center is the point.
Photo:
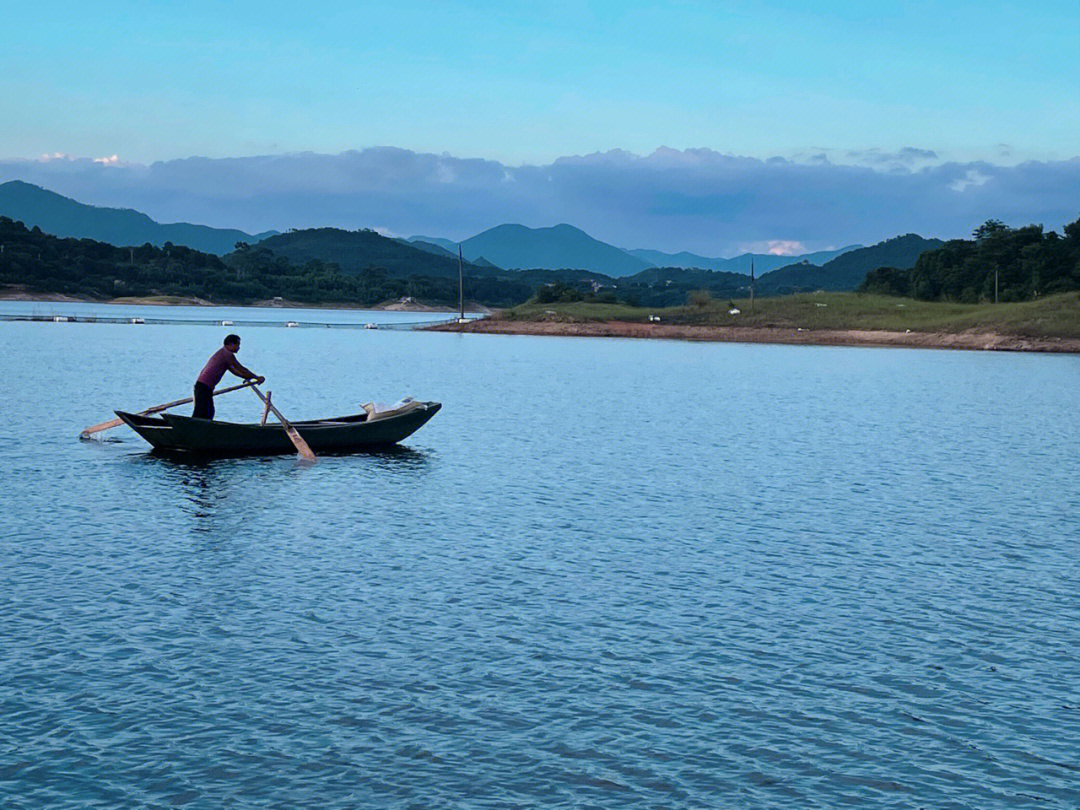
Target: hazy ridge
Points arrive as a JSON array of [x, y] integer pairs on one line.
[[62, 216]]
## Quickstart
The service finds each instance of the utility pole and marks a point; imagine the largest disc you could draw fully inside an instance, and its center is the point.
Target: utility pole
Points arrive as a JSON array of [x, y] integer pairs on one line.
[[751, 283], [460, 287]]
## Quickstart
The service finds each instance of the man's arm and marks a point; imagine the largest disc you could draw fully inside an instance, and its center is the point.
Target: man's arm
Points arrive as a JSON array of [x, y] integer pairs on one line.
[[243, 371]]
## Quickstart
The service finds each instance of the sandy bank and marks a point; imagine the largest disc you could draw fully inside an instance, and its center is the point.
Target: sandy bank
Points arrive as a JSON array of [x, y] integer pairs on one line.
[[416, 306], [17, 293], [9, 294], [742, 334]]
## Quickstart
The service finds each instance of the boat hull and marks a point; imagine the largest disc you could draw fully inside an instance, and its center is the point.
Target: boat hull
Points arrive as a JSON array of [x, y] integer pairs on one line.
[[183, 434]]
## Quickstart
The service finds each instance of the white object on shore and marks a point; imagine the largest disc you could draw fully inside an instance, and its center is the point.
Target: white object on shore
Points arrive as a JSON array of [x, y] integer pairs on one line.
[[734, 311], [138, 320], [61, 319], [371, 326], [654, 319], [291, 323], [226, 323]]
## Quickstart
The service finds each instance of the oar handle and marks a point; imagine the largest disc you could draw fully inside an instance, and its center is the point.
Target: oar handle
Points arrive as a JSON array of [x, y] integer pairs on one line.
[[158, 409]]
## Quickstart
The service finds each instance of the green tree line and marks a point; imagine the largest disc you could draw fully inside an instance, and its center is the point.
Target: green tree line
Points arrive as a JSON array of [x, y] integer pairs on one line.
[[40, 262], [1024, 263]]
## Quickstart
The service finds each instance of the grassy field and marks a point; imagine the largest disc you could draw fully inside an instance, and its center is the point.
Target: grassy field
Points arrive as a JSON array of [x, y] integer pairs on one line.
[[1053, 316]]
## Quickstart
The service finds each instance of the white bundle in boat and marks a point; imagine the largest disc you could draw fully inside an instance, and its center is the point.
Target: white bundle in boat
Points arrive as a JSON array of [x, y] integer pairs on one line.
[[380, 410]]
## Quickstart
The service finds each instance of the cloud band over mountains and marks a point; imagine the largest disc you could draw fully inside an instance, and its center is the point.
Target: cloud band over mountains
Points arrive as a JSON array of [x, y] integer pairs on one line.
[[697, 199]]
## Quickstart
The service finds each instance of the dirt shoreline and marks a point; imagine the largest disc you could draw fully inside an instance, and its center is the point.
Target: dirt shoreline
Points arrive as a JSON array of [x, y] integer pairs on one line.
[[975, 341], [16, 294]]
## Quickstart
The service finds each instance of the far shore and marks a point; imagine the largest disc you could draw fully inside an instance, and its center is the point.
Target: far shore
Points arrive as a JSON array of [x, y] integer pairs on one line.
[[10, 294], [968, 340]]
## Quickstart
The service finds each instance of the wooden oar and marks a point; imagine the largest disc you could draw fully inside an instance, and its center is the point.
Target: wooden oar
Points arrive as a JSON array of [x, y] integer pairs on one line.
[[294, 435], [90, 431]]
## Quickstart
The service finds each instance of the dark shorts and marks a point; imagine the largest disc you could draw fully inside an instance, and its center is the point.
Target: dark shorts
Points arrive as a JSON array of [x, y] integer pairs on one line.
[[204, 401]]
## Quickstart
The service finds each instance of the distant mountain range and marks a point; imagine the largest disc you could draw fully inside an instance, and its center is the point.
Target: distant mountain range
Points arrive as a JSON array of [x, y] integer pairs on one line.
[[434, 241], [847, 271], [65, 217], [668, 286], [557, 248], [763, 262], [1030, 263], [562, 247]]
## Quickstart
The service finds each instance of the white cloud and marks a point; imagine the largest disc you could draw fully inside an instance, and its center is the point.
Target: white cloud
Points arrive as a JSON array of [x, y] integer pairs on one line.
[[775, 247], [973, 178], [699, 200]]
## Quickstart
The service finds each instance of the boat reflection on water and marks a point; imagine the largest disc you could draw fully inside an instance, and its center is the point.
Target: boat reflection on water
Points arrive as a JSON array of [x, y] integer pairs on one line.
[[396, 455], [219, 494]]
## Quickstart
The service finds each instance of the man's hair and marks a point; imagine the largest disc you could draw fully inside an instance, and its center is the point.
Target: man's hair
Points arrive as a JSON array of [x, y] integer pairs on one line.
[[231, 339]]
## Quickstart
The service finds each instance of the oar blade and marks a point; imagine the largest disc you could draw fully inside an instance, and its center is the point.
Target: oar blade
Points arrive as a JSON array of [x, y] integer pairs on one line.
[[90, 431], [302, 447]]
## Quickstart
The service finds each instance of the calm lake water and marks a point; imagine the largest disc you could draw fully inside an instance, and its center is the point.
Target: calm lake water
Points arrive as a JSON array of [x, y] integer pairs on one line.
[[608, 574]]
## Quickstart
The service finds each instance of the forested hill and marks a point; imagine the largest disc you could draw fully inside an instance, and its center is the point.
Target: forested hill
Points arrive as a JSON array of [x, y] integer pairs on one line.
[[763, 262], [560, 246], [690, 278], [842, 274], [353, 251], [62, 216], [39, 262], [847, 271], [36, 262], [1028, 263]]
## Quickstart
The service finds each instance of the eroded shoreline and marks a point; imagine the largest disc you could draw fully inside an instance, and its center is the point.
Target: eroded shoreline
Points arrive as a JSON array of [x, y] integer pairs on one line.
[[967, 340]]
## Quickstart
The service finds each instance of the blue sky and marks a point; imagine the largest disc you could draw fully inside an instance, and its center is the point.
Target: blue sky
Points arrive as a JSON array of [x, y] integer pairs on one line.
[[715, 127], [529, 82]]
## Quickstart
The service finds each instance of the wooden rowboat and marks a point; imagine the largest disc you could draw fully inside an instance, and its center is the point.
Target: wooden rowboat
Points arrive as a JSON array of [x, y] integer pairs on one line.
[[183, 434]]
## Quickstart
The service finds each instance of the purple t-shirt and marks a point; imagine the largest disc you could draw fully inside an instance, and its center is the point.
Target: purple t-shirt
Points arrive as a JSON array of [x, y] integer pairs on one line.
[[216, 367]]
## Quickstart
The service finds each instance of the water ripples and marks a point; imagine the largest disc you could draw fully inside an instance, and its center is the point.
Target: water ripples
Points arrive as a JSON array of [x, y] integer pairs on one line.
[[636, 575]]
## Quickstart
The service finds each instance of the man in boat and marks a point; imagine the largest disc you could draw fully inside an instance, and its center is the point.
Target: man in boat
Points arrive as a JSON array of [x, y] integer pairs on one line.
[[224, 359]]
